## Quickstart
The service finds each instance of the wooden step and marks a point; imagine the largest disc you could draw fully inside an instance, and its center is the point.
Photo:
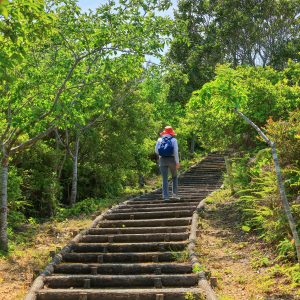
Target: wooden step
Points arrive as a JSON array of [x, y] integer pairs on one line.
[[161, 208], [128, 247], [137, 230], [120, 281], [136, 238], [184, 200], [123, 269], [166, 204], [149, 215], [129, 257], [120, 294], [134, 253], [145, 223]]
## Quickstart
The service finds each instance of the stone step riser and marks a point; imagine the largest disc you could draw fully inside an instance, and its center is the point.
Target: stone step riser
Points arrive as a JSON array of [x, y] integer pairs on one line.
[[134, 238], [120, 281], [196, 183], [155, 209], [134, 230], [121, 257], [209, 169], [138, 247], [185, 201], [159, 205], [146, 223], [189, 199], [155, 294], [203, 176], [125, 269], [149, 215]]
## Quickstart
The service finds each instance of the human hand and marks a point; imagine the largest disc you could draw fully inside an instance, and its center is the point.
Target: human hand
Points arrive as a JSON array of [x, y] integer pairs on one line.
[[177, 166]]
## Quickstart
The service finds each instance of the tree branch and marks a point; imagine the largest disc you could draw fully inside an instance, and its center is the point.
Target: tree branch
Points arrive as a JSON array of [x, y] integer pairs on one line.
[[33, 140], [68, 45], [260, 132], [68, 144]]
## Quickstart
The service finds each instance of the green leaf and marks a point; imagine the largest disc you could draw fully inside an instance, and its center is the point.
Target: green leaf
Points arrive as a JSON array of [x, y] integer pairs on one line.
[[246, 228], [4, 12]]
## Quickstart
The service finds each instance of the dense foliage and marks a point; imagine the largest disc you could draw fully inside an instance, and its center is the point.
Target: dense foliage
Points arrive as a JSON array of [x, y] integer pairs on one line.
[[259, 92], [270, 99], [254, 181], [81, 109], [74, 83], [252, 32]]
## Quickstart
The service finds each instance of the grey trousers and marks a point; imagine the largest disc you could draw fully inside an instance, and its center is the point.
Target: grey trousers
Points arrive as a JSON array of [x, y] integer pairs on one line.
[[166, 164]]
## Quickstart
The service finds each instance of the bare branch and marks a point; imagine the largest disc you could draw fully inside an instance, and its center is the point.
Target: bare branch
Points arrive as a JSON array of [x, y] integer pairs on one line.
[[116, 48], [11, 135], [260, 132], [59, 138], [61, 165], [3, 135]]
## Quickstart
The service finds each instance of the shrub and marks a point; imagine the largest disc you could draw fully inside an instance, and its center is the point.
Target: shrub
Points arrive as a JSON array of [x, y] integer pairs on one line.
[[84, 207]]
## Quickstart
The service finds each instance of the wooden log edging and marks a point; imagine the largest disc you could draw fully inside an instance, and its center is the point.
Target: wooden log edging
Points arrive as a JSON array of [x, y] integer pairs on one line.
[[39, 282], [203, 282]]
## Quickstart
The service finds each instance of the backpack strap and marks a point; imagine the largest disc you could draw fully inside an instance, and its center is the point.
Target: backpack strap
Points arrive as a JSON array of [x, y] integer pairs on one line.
[[168, 138]]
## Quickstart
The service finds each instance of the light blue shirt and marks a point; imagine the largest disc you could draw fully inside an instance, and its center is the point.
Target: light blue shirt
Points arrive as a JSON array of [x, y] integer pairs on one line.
[[175, 146]]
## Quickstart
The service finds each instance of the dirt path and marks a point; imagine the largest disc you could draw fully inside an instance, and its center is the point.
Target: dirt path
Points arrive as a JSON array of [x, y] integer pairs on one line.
[[242, 265]]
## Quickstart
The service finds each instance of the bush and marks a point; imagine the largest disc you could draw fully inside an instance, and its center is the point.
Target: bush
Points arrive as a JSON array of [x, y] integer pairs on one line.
[[84, 207], [260, 203], [286, 134]]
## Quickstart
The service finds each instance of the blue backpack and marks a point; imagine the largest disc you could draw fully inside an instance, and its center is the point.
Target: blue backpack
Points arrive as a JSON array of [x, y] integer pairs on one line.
[[166, 147]]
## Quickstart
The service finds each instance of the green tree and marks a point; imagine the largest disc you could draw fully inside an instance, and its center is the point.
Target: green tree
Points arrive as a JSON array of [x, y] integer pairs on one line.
[[22, 24], [227, 94], [268, 93], [82, 50], [254, 32]]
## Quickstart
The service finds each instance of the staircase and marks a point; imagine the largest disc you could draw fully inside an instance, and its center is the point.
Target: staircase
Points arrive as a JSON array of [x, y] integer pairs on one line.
[[137, 250]]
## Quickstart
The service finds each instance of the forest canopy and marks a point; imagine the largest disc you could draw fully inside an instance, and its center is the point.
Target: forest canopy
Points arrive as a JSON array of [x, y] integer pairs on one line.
[[81, 106]]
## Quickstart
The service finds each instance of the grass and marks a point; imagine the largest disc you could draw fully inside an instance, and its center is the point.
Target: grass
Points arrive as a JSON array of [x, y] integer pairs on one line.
[[249, 269], [181, 257], [31, 243], [27, 259]]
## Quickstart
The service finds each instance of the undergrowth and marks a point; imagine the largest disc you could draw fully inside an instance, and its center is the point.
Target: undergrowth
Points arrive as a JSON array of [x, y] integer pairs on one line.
[[274, 261], [86, 207], [256, 196]]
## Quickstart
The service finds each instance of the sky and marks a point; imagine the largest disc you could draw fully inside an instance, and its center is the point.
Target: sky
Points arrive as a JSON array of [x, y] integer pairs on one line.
[[92, 4]]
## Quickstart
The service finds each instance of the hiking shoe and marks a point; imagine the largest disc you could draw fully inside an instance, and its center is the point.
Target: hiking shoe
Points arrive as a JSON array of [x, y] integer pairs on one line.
[[175, 197]]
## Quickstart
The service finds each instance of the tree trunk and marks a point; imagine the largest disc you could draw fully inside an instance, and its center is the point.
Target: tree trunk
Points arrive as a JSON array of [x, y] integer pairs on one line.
[[193, 142], [283, 196], [228, 164], [285, 202], [3, 217], [75, 172], [61, 166], [141, 180]]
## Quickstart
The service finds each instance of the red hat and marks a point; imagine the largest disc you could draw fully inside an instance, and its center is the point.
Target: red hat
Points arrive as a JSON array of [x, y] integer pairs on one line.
[[168, 130]]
